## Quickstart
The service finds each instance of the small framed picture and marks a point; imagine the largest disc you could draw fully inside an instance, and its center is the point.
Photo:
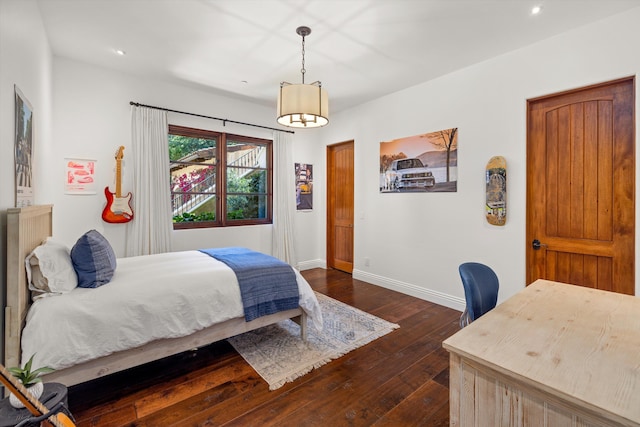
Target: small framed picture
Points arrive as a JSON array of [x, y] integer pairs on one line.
[[80, 176], [304, 187]]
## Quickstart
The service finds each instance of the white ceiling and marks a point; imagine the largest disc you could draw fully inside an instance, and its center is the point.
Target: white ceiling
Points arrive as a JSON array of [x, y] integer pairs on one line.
[[359, 49]]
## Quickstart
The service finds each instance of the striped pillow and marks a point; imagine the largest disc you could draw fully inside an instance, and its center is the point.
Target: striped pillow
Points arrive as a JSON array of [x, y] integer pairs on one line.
[[93, 259]]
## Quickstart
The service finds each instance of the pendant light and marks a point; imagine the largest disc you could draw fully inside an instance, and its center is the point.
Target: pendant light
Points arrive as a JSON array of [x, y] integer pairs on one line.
[[303, 105]]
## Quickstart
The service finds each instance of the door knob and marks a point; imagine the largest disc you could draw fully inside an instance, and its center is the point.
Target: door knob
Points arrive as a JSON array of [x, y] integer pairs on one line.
[[537, 245]]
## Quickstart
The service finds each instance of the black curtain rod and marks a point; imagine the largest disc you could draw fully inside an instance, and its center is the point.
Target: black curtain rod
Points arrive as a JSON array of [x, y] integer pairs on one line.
[[224, 121]]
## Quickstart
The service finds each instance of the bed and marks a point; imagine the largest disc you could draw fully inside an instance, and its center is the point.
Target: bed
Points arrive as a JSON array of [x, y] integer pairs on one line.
[[28, 227]]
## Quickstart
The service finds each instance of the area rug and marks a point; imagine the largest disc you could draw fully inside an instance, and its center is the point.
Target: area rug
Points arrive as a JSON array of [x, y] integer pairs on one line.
[[279, 355]]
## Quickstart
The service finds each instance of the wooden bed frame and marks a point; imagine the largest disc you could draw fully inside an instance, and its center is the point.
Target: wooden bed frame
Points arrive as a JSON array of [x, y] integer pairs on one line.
[[27, 228]]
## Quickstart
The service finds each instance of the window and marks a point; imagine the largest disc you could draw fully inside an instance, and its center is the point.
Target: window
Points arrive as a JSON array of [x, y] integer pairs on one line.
[[219, 179]]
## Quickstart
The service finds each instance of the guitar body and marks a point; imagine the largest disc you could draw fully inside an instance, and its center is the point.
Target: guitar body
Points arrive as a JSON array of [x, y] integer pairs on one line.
[[118, 209]]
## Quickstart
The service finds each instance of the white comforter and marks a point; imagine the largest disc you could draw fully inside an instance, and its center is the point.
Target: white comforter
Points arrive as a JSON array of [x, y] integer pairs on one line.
[[150, 297]]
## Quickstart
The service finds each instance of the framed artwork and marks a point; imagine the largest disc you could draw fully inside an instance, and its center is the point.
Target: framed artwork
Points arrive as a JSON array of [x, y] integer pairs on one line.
[[304, 187], [80, 176], [23, 150], [422, 163]]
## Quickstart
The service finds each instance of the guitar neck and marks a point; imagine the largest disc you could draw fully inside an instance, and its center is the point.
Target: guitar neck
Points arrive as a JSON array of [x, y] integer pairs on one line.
[[31, 403], [118, 177]]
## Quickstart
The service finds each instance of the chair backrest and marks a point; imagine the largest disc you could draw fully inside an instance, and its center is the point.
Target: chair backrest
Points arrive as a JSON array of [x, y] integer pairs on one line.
[[480, 284]]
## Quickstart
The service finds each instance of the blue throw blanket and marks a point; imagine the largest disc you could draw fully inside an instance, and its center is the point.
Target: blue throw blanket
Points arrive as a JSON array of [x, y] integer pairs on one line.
[[267, 285]]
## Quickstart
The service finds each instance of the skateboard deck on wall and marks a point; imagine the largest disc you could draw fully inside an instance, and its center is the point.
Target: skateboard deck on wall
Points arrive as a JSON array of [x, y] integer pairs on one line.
[[496, 204]]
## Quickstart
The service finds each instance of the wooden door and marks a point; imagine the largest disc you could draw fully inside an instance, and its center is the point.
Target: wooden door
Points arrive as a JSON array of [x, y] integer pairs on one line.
[[340, 206], [581, 187]]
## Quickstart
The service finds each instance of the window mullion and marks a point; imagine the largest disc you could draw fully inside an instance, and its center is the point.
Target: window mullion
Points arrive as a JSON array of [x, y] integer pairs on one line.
[[222, 179]]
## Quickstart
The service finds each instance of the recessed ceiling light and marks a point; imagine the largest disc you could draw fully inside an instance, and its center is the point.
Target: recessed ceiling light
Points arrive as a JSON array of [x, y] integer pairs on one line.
[[536, 10], [121, 52]]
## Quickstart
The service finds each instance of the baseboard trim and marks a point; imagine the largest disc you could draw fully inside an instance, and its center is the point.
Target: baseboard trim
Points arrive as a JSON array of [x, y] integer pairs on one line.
[[436, 297], [308, 265]]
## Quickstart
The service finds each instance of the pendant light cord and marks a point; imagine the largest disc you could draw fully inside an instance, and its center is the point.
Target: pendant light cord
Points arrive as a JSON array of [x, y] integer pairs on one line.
[[303, 71]]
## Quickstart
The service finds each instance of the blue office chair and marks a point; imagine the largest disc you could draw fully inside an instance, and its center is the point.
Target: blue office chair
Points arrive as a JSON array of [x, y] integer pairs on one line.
[[480, 284]]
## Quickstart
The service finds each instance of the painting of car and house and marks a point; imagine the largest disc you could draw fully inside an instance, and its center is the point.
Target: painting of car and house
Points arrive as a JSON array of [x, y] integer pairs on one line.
[[420, 163]]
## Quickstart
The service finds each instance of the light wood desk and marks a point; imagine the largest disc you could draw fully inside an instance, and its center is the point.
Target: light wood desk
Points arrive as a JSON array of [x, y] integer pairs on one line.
[[552, 355]]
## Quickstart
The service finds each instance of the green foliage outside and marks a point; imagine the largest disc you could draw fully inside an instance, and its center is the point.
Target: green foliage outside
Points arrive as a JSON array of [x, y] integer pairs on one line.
[[240, 206], [192, 217], [180, 146]]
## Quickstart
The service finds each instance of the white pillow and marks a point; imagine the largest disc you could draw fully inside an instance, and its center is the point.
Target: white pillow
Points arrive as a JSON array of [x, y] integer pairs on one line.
[[49, 270]]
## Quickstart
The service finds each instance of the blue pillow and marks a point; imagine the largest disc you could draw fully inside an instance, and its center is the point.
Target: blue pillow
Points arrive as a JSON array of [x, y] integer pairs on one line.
[[93, 259]]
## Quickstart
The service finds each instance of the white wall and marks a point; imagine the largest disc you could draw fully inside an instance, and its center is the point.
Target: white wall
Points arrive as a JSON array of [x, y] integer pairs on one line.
[[92, 119], [415, 242], [309, 227], [25, 61]]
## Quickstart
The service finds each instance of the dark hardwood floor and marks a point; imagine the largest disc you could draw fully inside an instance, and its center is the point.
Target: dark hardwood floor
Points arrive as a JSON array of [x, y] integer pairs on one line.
[[401, 379]]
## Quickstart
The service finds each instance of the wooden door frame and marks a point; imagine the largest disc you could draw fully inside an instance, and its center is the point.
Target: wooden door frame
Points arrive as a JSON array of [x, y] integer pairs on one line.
[[330, 204]]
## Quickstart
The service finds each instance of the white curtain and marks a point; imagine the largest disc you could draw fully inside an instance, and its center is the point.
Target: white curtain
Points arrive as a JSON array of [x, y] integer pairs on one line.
[[284, 197], [150, 230]]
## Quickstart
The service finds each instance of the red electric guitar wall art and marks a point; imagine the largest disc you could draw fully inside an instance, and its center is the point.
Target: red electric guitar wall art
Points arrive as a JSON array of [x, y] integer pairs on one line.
[[118, 209]]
